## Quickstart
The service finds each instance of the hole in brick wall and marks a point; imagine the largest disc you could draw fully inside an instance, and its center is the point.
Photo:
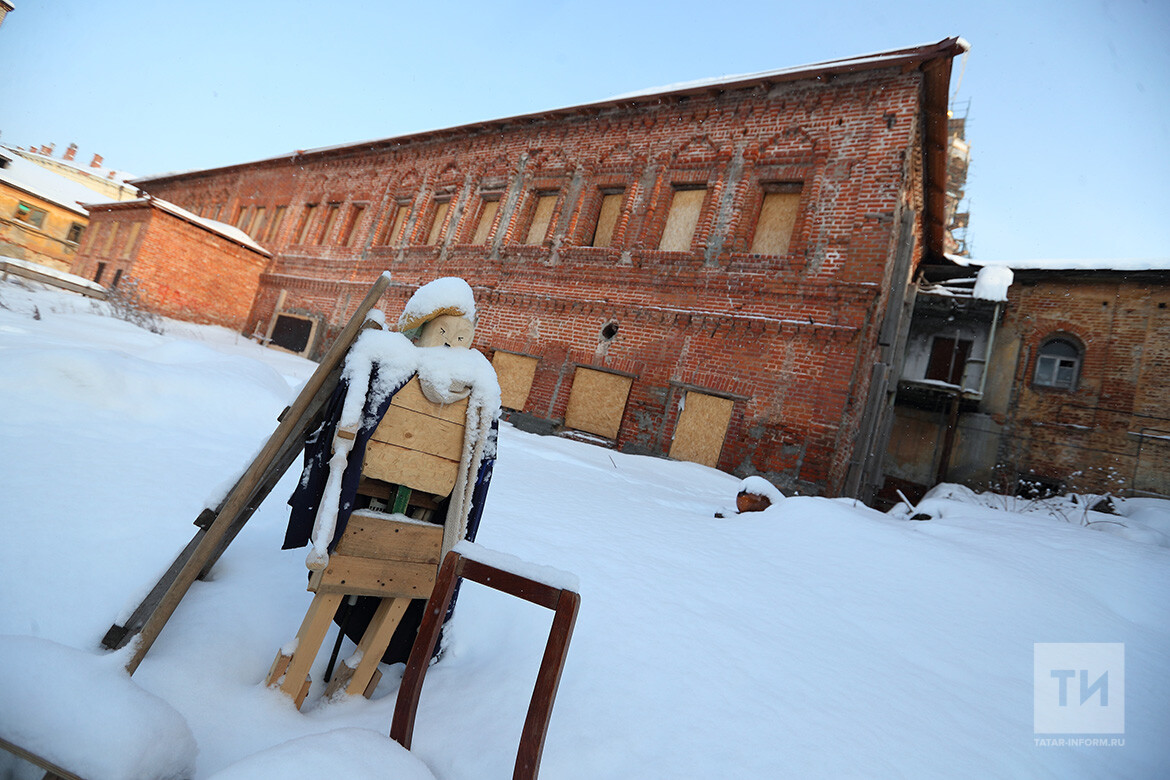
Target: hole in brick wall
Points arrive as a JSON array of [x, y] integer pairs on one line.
[[609, 331]]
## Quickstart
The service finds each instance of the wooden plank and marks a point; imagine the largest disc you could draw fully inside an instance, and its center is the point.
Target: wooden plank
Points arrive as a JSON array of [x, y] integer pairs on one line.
[[701, 428], [416, 470], [415, 430], [411, 397], [33, 758], [119, 635], [374, 642], [243, 494], [375, 535], [368, 577], [312, 632]]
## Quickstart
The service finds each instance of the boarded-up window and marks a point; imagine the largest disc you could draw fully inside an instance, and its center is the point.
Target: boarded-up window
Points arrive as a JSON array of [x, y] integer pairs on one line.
[[607, 217], [948, 359], [330, 219], [306, 220], [292, 332], [515, 373], [597, 402], [257, 223], [701, 428], [541, 216], [681, 220], [778, 212], [242, 219], [348, 234], [277, 219], [128, 247], [394, 226], [487, 215], [437, 222], [111, 237]]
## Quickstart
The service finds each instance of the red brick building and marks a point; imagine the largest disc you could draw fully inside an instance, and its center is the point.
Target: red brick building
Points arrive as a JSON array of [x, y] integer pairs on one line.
[[182, 265], [1074, 396], [714, 272], [1089, 352]]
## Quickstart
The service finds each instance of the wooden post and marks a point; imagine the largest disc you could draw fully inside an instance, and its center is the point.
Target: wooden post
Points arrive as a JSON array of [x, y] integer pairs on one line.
[[244, 491]]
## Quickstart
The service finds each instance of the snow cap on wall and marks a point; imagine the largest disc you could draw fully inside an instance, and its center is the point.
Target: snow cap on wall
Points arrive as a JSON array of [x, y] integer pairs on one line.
[[448, 295]]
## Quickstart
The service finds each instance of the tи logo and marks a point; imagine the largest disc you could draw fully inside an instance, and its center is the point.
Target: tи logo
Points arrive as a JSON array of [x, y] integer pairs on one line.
[[1079, 688]]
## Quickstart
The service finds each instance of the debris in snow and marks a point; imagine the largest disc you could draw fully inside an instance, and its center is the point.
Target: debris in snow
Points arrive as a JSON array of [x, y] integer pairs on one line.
[[756, 494], [992, 282]]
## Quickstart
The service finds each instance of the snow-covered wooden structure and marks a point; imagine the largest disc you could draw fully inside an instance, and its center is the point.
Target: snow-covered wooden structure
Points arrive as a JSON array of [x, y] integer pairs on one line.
[[394, 478]]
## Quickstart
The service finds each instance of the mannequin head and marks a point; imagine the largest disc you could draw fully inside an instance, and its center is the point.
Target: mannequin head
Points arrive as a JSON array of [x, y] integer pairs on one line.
[[447, 330]]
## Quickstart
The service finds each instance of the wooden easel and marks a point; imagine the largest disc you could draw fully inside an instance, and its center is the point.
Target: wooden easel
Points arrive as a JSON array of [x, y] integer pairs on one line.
[[219, 527], [411, 461]]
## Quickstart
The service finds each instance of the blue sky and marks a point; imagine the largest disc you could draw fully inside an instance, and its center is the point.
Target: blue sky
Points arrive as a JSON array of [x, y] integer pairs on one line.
[[1069, 117]]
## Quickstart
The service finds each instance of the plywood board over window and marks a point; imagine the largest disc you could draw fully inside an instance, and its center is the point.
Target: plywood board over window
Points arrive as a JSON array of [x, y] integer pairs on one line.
[[607, 217], [487, 216], [597, 402], [682, 219], [701, 428], [438, 221], [515, 373], [778, 211], [541, 216]]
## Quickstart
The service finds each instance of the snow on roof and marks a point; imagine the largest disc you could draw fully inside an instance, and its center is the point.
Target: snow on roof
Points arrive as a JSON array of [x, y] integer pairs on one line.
[[1149, 264], [47, 185], [227, 231], [96, 171], [45, 270]]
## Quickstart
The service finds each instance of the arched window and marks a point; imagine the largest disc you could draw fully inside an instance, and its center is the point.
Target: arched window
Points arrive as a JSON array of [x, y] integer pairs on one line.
[[1058, 364]]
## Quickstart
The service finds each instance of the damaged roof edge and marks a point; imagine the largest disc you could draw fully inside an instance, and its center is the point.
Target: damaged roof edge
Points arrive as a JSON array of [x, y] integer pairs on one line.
[[941, 52]]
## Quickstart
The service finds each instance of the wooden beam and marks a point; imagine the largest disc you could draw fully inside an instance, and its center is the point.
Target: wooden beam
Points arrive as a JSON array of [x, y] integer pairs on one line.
[[243, 494]]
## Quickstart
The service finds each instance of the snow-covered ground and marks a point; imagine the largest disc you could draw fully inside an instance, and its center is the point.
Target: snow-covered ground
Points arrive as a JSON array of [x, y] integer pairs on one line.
[[815, 639]]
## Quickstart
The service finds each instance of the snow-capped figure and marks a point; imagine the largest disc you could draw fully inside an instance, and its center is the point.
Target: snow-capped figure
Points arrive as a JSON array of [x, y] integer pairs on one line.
[[405, 451]]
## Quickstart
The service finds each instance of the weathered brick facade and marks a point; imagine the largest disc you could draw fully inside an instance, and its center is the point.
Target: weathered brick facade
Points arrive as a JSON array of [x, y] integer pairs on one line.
[[568, 278], [1109, 431], [180, 267]]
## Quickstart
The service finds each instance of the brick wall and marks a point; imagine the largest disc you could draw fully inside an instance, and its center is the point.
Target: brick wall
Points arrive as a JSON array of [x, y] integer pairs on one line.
[[1111, 430], [791, 338], [180, 269]]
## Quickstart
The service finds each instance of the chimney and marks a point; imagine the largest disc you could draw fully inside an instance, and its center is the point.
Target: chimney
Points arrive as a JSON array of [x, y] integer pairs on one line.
[[47, 150], [96, 162], [70, 153]]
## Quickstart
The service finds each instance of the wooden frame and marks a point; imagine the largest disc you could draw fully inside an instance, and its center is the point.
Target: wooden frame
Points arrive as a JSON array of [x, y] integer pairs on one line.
[[564, 602]]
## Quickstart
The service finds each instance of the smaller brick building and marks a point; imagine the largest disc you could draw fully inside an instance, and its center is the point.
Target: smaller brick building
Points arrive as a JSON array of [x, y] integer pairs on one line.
[[1075, 394], [183, 266]]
